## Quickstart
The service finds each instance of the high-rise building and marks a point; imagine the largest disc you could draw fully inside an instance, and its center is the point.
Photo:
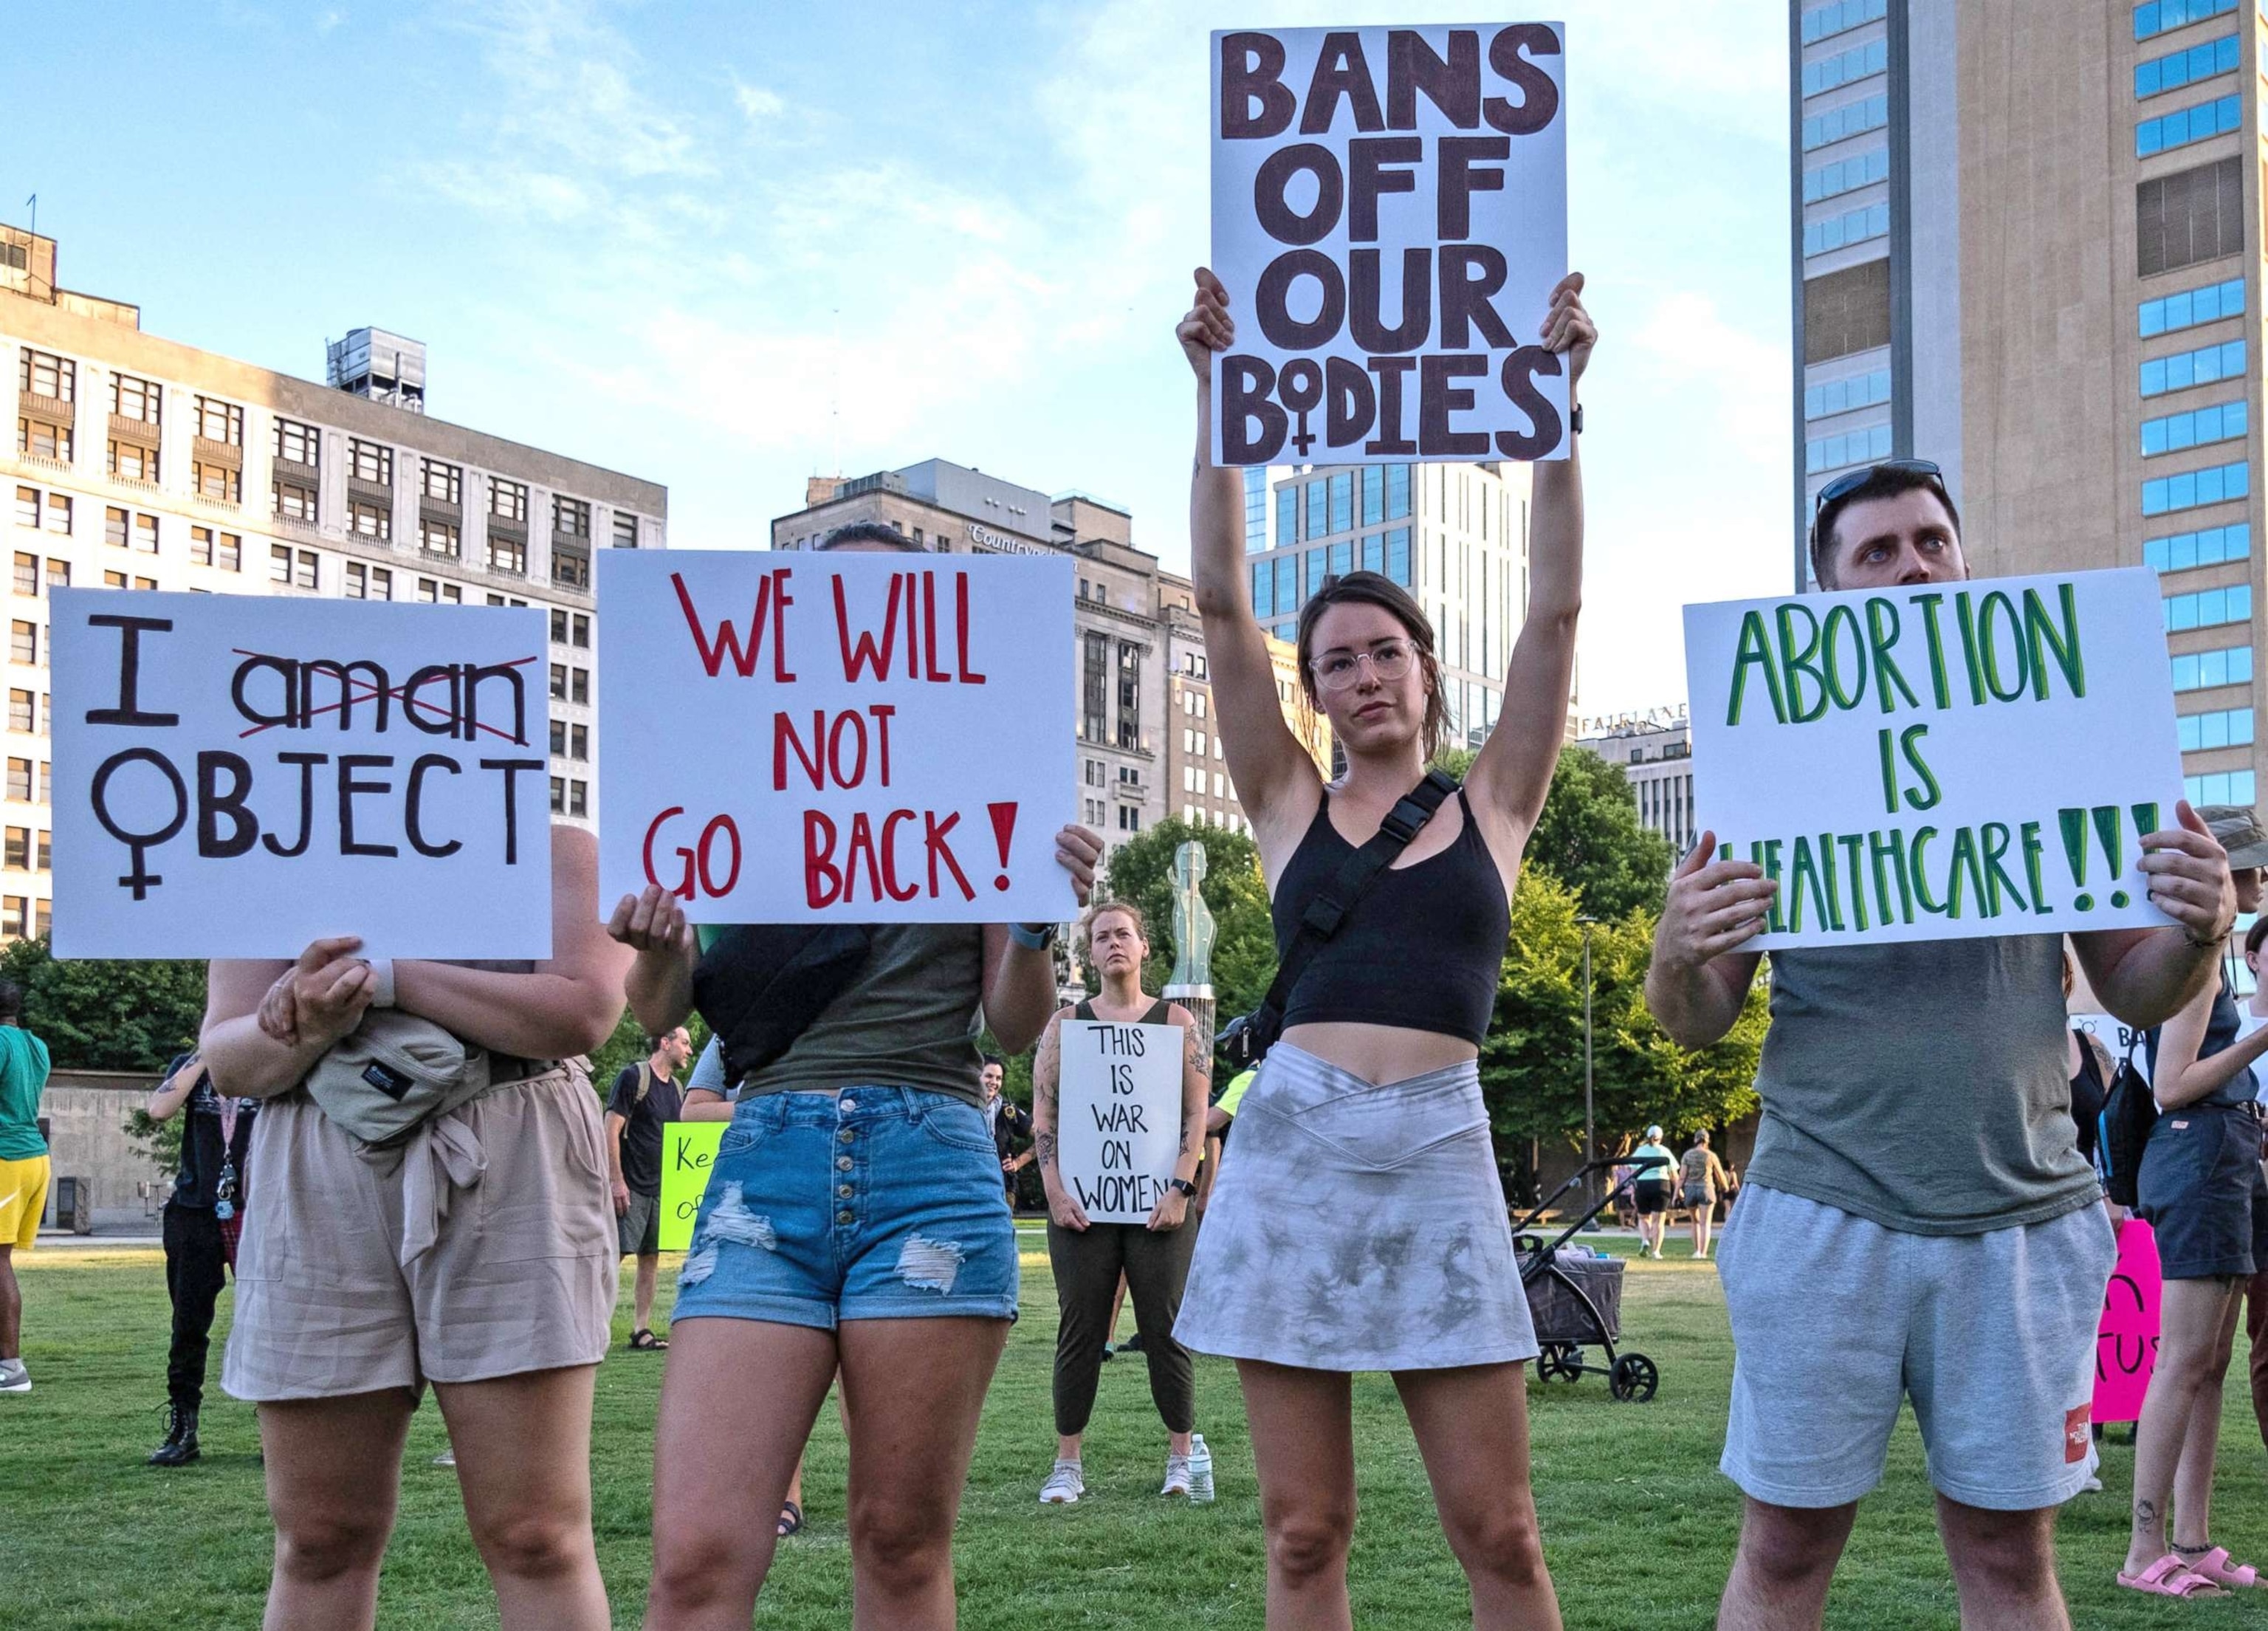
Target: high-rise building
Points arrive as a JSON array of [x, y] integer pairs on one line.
[[1655, 752], [2027, 247], [1148, 747], [143, 463], [1455, 536]]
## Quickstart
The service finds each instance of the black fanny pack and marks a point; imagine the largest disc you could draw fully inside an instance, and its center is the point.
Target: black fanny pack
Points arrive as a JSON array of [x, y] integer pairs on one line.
[[1245, 1042], [760, 985]]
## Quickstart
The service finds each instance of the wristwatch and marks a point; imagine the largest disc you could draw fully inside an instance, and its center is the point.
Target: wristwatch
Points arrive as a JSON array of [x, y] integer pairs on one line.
[[1033, 936], [1183, 1185]]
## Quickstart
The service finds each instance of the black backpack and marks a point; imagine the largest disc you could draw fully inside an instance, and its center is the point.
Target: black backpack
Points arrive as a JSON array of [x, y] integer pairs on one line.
[[2130, 1111], [760, 985]]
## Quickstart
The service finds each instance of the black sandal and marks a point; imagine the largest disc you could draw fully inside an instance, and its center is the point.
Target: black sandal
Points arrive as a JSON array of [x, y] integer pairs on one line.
[[645, 1342], [791, 1519]]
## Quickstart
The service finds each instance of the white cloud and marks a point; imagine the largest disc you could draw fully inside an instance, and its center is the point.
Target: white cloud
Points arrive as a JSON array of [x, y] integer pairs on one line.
[[760, 106]]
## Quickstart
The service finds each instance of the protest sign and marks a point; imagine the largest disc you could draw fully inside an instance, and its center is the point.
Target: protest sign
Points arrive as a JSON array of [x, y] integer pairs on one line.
[[1119, 1122], [2122, 1042], [2126, 1339], [237, 775], [1390, 217], [1939, 762], [689, 1151], [856, 738]]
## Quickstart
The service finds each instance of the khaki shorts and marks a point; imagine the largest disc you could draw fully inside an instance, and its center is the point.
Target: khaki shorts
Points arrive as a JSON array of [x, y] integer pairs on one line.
[[484, 1247]]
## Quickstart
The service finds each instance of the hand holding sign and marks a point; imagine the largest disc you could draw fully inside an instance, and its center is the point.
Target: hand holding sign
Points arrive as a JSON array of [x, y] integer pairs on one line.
[[2188, 877], [1713, 907]]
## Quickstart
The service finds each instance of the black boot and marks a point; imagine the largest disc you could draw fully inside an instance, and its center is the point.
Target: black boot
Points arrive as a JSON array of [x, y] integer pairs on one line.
[[180, 1446]]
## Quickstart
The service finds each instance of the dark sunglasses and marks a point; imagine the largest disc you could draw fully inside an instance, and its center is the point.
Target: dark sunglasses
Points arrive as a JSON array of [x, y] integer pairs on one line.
[[1844, 486]]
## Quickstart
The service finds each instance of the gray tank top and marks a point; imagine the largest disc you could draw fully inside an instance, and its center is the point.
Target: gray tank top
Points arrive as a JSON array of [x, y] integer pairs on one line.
[[1923, 1085], [910, 1019]]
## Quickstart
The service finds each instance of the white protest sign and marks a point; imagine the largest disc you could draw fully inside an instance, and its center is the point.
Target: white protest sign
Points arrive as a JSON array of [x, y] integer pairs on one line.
[[1120, 1115], [840, 736], [2119, 1039], [1943, 761], [237, 775], [1390, 217]]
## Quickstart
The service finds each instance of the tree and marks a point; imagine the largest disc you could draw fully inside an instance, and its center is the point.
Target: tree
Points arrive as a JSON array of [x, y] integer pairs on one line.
[[1244, 942], [100, 1014], [1590, 836], [1532, 1061]]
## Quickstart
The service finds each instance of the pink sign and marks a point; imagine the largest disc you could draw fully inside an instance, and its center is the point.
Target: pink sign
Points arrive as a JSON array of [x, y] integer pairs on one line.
[[2126, 1341]]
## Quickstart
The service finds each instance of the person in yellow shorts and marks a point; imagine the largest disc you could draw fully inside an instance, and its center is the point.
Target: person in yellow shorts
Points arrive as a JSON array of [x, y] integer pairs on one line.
[[23, 1172]]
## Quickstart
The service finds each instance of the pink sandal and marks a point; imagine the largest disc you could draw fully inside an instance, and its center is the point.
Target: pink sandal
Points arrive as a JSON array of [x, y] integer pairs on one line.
[[2214, 1566], [2169, 1576]]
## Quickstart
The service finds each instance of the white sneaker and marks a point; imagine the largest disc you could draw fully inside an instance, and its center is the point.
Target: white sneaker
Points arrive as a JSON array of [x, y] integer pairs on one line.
[[13, 1377], [1064, 1486], [1179, 1479]]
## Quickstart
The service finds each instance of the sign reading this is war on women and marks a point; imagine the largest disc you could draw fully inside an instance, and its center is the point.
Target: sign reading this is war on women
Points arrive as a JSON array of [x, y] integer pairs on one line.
[[840, 736], [1941, 761], [1390, 217], [689, 1151], [236, 775], [1119, 1125]]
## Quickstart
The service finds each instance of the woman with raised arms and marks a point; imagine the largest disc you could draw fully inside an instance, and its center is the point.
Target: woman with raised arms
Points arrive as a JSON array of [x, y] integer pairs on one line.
[[1361, 1225]]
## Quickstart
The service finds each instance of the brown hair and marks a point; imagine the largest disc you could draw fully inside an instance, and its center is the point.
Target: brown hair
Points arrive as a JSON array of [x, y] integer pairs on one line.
[[1370, 589], [1087, 923], [2257, 933]]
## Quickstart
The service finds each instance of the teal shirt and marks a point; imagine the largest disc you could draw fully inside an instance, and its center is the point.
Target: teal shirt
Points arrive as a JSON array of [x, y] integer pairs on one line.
[[1666, 1173], [23, 1078]]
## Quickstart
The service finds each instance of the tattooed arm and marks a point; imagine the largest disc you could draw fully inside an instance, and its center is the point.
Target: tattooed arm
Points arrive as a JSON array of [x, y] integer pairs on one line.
[[1047, 1078], [1197, 1090]]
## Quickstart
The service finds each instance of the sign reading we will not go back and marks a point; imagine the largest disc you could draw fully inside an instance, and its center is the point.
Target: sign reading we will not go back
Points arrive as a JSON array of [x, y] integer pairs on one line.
[[1941, 761], [845, 737]]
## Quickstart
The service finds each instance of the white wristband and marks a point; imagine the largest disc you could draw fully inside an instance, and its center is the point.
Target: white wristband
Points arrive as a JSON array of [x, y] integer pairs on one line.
[[381, 979]]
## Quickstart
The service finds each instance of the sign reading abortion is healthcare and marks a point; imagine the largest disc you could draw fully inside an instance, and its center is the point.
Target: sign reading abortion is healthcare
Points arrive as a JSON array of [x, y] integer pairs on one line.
[[1390, 217], [856, 738], [236, 775], [1939, 762]]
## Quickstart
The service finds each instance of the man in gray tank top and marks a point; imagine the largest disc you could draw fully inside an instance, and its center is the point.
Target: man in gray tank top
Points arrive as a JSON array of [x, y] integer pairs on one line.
[[1918, 1220]]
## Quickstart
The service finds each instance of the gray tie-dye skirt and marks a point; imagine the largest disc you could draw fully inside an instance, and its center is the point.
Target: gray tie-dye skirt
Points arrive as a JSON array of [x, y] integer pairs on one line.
[[1357, 1227]]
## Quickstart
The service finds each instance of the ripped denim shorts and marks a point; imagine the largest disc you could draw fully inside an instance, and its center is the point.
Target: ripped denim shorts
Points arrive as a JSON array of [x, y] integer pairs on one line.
[[877, 1203]]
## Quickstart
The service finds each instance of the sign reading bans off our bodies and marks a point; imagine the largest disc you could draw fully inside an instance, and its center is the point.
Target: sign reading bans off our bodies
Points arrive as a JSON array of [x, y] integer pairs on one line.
[[1941, 761], [237, 775], [858, 738], [1121, 1131], [1390, 217]]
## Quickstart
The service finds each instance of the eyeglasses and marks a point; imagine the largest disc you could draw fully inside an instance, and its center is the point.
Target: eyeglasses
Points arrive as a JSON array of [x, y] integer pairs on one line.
[[1389, 660], [1843, 486]]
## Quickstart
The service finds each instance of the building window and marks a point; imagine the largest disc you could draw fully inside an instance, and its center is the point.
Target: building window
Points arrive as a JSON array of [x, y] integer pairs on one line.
[[24, 643], [2171, 72], [508, 554], [1846, 176], [145, 534], [1854, 226], [302, 443], [2208, 364], [437, 537], [2185, 125], [58, 574], [19, 780], [201, 545], [2186, 310], [1832, 452], [228, 551], [508, 500], [558, 739], [1129, 818], [2222, 422], [2158, 16], [571, 516], [2209, 608], [293, 503], [578, 686], [27, 573], [2193, 488], [1342, 502], [357, 585], [1838, 124], [114, 527], [558, 796], [1256, 509], [1839, 16], [559, 681], [131, 461], [578, 739], [288, 565], [140, 399], [217, 421], [578, 799], [2188, 217], [43, 374], [581, 627], [20, 711], [2198, 671], [28, 508], [1833, 397], [1287, 514], [1318, 506], [367, 519], [382, 583], [37, 439], [2222, 787], [114, 580], [444, 483], [2225, 728], [626, 531], [570, 569], [1397, 556], [1829, 73], [221, 482], [370, 461]]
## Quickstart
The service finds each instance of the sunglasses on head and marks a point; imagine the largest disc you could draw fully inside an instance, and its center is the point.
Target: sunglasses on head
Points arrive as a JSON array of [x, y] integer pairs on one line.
[[1843, 486]]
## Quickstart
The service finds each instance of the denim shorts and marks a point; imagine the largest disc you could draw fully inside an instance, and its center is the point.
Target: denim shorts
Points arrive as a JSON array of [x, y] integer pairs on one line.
[[878, 1203], [2200, 1190]]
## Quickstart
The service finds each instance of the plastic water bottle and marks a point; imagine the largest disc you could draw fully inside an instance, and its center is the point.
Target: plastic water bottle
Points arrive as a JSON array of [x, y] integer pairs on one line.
[[1200, 1469]]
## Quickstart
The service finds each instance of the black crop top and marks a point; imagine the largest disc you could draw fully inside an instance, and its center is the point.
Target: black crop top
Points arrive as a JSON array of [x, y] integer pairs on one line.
[[1423, 950]]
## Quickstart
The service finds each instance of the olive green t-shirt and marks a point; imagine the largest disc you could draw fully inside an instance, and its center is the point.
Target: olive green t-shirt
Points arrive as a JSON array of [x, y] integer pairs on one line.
[[910, 1018], [1923, 1085]]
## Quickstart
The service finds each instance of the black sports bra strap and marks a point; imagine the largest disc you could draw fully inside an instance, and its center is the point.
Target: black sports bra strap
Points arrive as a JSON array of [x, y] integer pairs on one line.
[[1160, 1013]]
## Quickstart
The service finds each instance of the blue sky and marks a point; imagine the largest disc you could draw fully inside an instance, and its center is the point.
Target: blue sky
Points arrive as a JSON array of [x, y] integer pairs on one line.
[[728, 245]]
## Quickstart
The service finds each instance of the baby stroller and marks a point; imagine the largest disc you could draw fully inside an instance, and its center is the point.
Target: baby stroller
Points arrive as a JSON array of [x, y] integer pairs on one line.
[[1576, 1302]]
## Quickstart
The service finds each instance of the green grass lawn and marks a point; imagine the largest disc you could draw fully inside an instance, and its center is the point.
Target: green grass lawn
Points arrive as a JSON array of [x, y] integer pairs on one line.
[[1637, 1521]]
